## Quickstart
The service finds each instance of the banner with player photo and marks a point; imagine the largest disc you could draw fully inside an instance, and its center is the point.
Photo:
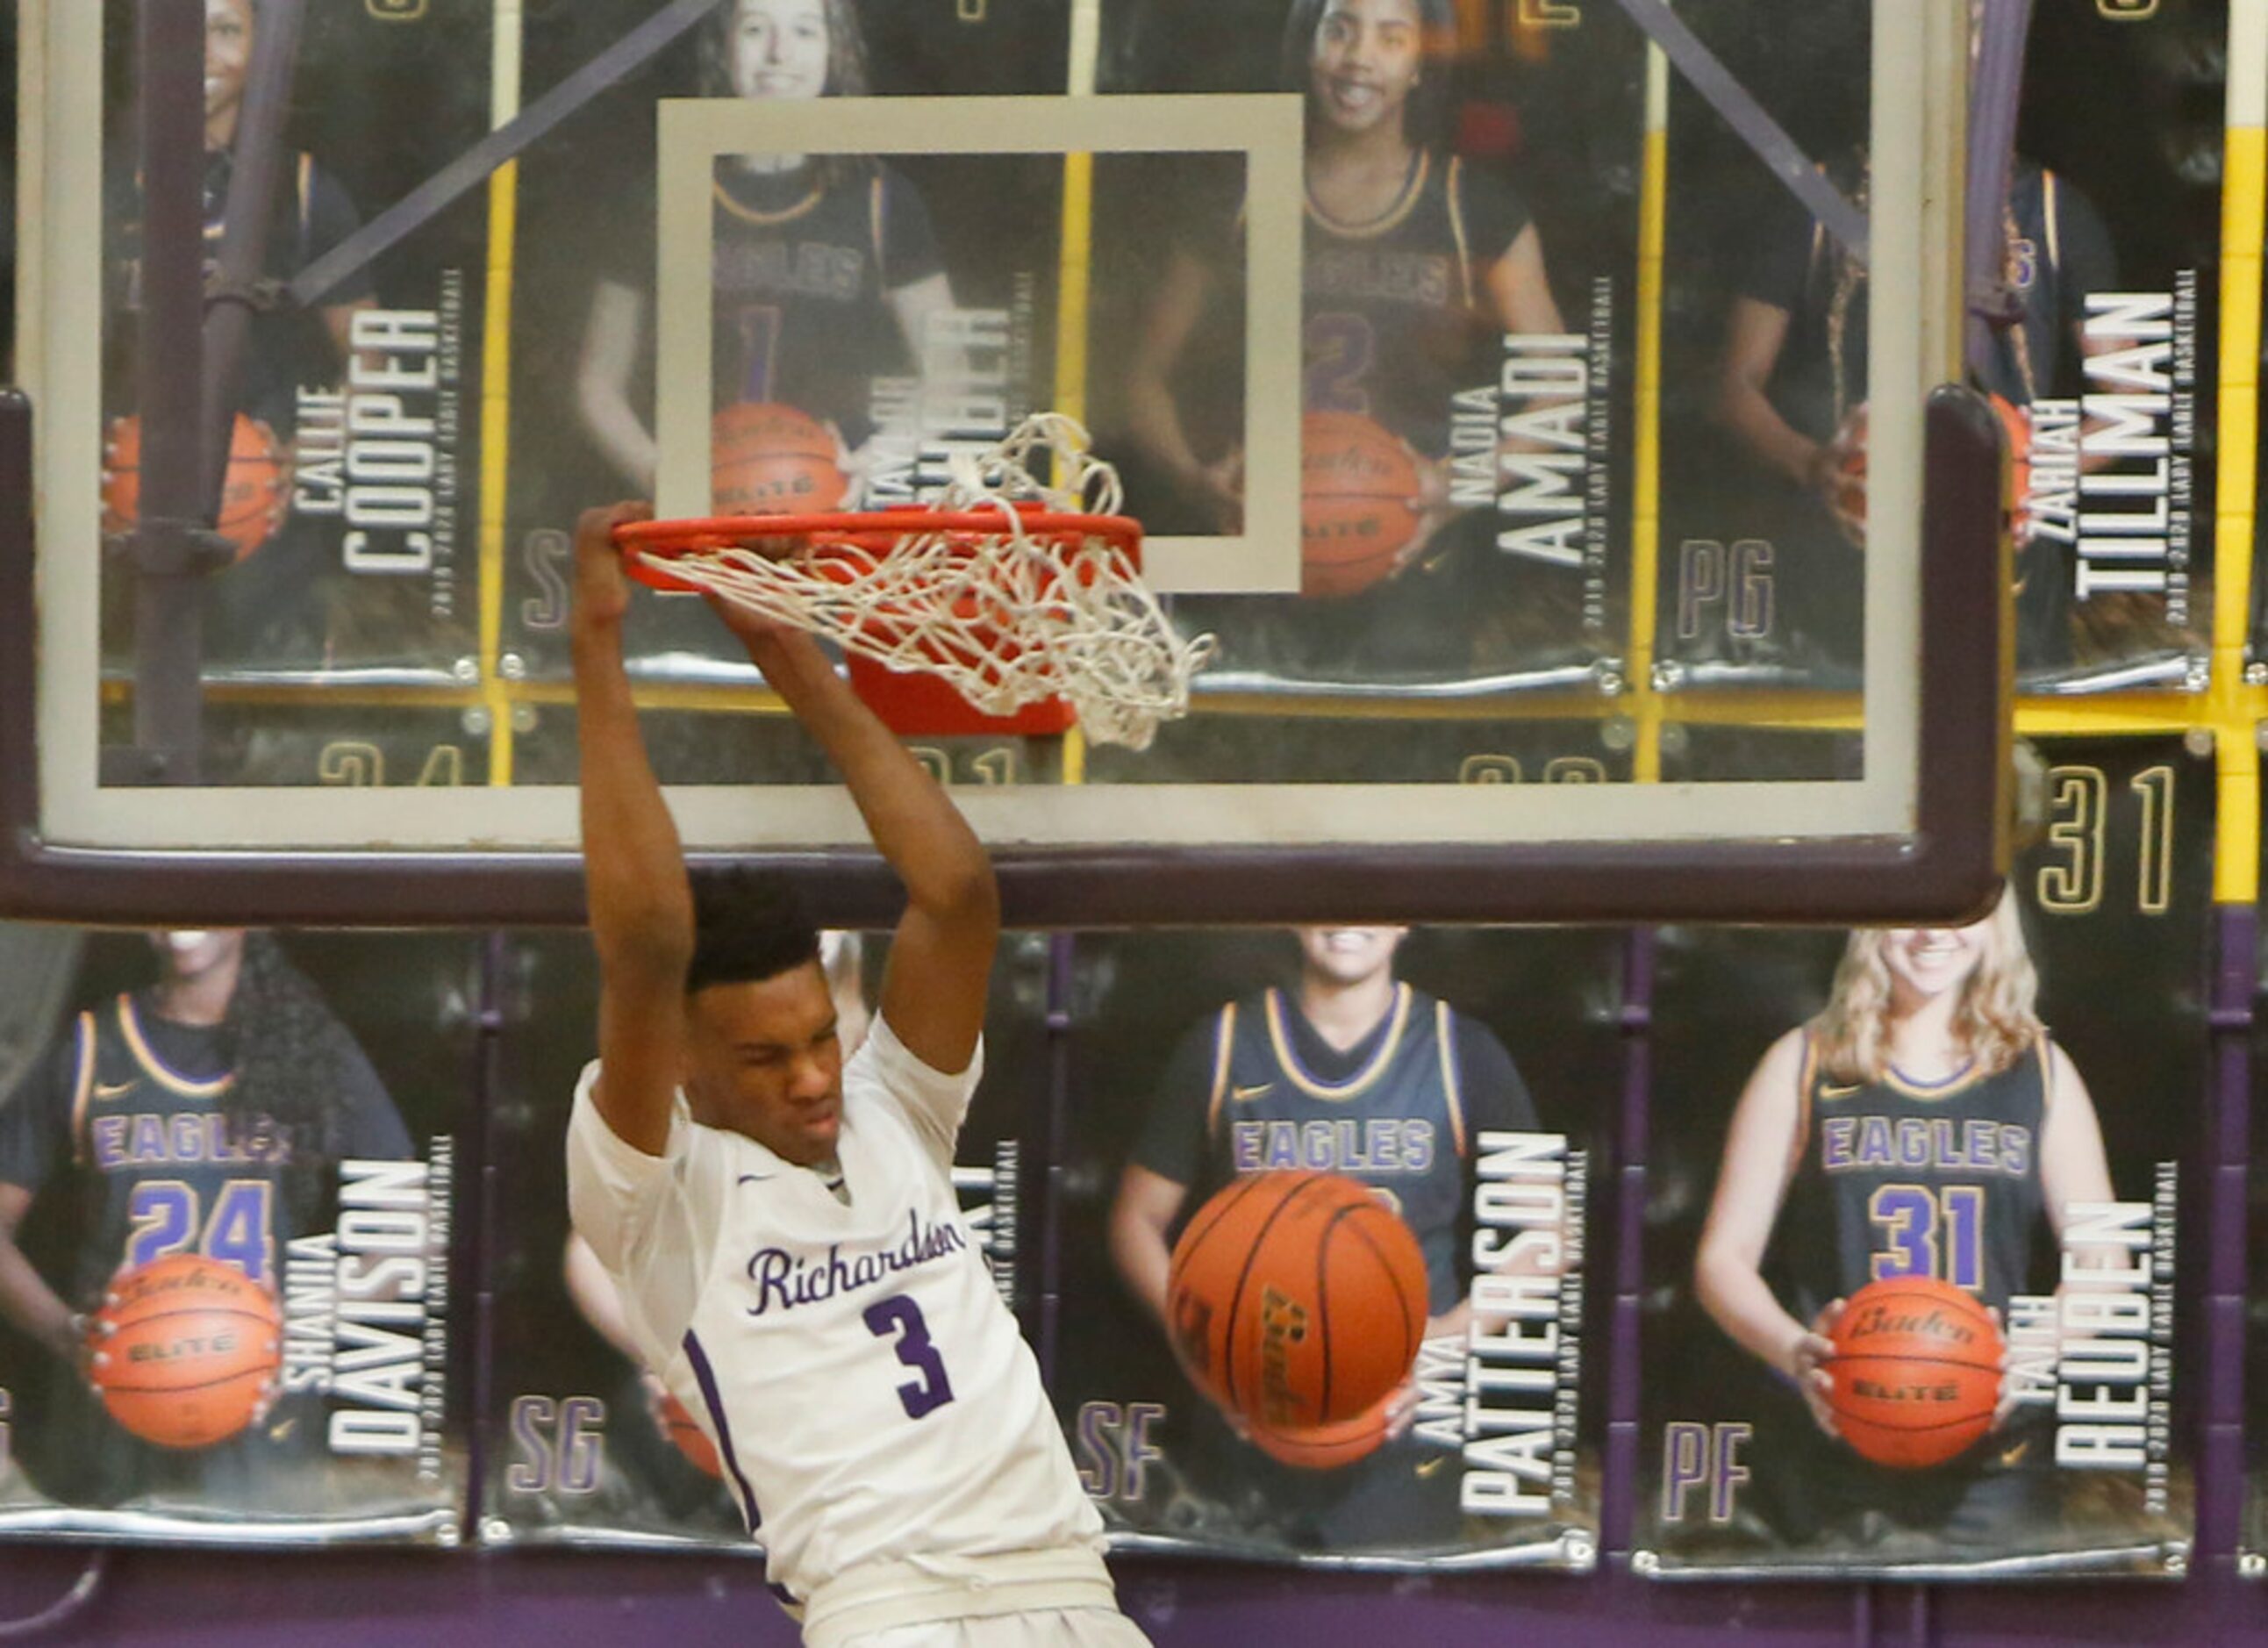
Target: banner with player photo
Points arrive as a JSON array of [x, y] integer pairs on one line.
[[2103, 376], [583, 1446], [228, 1194], [352, 403], [1215, 1072], [1470, 211], [871, 314], [1914, 1224]]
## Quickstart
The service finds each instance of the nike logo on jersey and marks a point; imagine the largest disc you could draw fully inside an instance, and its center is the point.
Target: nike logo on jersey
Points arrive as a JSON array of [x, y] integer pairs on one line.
[[1242, 1094], [112, 1090], [1427, 1468], [2015, 1455], [756, 1178], [1832, 1090]]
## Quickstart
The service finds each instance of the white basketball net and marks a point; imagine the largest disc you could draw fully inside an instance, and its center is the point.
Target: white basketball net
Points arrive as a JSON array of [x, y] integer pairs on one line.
[[1007, 617]]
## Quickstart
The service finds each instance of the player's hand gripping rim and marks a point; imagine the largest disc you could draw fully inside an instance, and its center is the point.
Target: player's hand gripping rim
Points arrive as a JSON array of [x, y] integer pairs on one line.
[[602, 589]]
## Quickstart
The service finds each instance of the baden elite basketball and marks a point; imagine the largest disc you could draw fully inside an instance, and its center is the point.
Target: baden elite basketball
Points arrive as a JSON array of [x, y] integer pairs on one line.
[[255, 495], [1298, 1299], [767, 458], [1356, 482], [185, 1350], [1917, 1372]]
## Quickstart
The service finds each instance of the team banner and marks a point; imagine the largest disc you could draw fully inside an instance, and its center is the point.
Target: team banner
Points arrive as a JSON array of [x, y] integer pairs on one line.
[[229, 1183], [869, 314], [584, 1446], [2100, 369], [1218, 1074], [1912, 1251], [1468, 249], [350, 496]]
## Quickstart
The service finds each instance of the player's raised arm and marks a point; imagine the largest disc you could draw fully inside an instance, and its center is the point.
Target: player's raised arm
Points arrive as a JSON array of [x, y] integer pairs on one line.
[[940, 964], [641, 904]]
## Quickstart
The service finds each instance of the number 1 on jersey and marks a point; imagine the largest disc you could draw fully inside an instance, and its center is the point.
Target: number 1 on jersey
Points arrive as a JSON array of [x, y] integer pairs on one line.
[[900, 1316], [1939, 1234]]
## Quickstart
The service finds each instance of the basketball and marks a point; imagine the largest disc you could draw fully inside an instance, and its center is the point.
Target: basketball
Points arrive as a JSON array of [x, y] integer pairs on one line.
[[1297, 1299], [185, 1350], [1356, 482], [2017, 423], [766, 459], [691, 1440], [1849, 486], [254, 494], [1917, 1372], [1326, 1447]]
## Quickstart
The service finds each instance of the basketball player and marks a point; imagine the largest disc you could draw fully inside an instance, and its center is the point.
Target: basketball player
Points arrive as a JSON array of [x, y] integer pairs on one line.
[[827, 271], [1929, 1033], [1793, 376], [1354, 1072], [781, 1226], [207, 1113], [259, 605], [1415, 264], [601, 1305]]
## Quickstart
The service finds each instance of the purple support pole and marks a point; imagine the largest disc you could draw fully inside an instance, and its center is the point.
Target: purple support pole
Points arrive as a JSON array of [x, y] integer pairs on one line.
[[1062, 948], [168, 619], [487, 1104], [1996, 82], [1618, 1487], [2220, 1452], [256, 154]]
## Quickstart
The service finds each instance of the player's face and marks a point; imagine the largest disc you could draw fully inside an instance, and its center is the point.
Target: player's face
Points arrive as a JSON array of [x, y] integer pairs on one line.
[[1366, 61], [764, 1059], [1349, 955], [228, 52], [1927, 962], [193, 952], [778, 48]]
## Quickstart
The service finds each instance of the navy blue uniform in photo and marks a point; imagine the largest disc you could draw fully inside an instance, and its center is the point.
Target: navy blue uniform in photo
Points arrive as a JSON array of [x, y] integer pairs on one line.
[[804, 265], [1894, 1179], [284, 349], [1255, 1088], [2060, 251], [125, 1137]]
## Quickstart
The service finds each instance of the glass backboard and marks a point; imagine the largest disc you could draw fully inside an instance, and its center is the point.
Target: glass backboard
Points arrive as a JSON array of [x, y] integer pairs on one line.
[[1454, 356]]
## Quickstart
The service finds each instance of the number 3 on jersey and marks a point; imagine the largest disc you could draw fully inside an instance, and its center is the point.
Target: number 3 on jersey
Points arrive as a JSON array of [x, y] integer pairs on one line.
[[1935, 1233], [900, 1316]]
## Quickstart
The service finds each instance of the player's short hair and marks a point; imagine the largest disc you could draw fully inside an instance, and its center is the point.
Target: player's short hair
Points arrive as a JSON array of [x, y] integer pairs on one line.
[[748, 925], [1425, 116]]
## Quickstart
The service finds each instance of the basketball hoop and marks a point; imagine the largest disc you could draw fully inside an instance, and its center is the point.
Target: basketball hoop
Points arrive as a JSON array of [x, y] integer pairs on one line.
[[1014, 591]]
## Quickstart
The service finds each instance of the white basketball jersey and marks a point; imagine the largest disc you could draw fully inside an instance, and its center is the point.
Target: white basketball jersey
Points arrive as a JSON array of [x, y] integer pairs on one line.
[[869, 1394]]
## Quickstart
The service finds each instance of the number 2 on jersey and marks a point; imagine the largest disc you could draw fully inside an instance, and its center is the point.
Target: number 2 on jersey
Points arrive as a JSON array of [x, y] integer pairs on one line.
[[1939, 1234], [900, 1316], [163, 1214]]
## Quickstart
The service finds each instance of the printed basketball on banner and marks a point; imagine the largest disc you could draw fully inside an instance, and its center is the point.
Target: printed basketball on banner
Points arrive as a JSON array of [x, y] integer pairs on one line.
[[1915, 1371], [185, 1350], [770, 460], [1358, 503]]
